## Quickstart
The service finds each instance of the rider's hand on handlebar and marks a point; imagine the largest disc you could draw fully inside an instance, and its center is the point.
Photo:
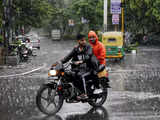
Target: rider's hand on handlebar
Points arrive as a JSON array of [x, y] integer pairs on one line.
[[54, 64], [78, 62]]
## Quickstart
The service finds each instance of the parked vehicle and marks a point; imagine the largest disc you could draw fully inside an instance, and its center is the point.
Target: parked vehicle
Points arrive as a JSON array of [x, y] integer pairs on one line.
[[34, 40], [113, 42], [51, 95], [152, 39], [56, 34]]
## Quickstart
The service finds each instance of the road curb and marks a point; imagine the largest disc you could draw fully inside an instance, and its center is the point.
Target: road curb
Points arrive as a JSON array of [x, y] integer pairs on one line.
[[25, 73]]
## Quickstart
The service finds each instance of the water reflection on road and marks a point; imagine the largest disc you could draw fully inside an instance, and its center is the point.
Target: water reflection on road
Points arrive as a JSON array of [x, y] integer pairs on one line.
[[95, 113], [138, 72], [98, 113], [134, 94]]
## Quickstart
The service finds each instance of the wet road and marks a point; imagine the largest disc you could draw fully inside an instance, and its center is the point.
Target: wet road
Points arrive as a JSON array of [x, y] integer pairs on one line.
[[135, 92]]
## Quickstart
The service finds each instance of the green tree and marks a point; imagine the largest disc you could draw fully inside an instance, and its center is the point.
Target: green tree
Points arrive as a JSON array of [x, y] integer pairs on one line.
[[31, 12], [143, 16], [92, 10], [1, 9], [60, 16]]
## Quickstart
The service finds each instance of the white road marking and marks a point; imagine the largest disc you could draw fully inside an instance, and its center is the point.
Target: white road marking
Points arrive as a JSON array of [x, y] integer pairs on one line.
[[25, 73]]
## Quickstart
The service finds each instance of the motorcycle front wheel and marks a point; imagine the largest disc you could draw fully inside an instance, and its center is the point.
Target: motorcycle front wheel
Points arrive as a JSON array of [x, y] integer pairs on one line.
[[48, 100], [99, 101]]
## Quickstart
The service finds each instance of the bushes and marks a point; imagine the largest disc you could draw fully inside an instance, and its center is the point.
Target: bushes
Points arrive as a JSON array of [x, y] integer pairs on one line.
[[69, 37], [153, 39], [1, 40], [131, 47]]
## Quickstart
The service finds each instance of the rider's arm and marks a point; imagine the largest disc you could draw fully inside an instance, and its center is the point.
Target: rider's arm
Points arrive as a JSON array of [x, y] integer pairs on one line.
[[68, 57]]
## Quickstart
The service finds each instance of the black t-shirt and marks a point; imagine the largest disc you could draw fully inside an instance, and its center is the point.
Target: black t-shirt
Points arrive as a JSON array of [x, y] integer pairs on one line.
[[86, 55]]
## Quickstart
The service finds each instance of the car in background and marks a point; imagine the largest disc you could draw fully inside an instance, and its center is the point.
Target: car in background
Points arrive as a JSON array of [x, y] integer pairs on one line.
[[56, 34], [34, 40]]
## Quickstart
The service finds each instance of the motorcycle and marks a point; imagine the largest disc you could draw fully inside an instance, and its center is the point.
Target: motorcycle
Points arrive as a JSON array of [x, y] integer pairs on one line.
[[60, 88], [23, 53]]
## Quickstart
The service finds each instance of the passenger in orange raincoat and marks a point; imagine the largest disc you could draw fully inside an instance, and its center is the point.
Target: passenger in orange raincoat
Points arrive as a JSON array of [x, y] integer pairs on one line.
[[100, 52], [98, 48]]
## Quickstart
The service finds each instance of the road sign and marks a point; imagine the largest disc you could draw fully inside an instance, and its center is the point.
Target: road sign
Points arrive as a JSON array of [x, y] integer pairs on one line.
[[71, 22], [115, 19], [115, 6]]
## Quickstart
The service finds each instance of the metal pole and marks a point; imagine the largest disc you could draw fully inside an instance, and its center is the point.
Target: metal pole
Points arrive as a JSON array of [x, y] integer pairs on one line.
[[122, 27], [105, 14]]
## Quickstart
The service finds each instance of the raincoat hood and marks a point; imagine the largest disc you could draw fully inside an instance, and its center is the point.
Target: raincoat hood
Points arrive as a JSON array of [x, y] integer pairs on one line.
[[92, 33]]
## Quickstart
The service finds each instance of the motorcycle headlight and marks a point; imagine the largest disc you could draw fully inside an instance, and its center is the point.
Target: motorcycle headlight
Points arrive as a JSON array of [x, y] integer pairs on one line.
[[52, 73]]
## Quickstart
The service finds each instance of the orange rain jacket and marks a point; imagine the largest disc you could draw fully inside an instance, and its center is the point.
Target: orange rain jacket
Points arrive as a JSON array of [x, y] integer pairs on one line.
[[98, 48]]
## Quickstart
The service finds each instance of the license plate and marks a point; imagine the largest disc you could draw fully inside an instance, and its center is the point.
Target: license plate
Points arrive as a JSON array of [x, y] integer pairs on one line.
[[53, 78]]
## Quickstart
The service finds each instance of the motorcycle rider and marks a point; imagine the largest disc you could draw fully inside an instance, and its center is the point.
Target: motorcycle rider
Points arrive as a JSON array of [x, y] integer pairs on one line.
[[83, 57], [98, 48], [100, 53]]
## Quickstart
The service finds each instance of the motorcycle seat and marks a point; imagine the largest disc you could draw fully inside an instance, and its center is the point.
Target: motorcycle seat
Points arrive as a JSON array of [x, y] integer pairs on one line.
[[101, 68]]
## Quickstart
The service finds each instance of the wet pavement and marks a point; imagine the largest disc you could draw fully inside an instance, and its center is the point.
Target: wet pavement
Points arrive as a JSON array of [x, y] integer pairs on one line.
[[135, 92]]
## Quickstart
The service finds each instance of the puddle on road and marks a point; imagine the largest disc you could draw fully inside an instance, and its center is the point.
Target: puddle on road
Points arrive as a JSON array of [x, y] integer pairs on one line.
[[99, 113], [96, 113]]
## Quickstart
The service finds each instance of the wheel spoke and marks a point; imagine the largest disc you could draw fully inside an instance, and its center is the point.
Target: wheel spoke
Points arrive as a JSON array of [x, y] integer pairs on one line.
[[48, 104], [46, 99], [53, 100], [52, 97], [49, 91], [54, 103]]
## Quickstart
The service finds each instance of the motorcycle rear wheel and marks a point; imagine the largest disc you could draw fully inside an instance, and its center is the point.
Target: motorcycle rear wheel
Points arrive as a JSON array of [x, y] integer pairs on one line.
[[45, 100], [95, 102]]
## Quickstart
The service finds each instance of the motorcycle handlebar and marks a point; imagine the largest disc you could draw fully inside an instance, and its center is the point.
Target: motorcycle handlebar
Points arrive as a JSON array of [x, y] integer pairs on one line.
[[66, 65]]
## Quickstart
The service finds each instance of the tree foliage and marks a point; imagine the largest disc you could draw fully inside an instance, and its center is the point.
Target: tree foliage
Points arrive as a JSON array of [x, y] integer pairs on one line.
[[1, 9], [31, 12], [92, 10], [143, 15], [60, 15]]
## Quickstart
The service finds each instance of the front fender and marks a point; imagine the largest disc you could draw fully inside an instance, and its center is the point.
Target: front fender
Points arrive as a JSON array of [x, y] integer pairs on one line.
[[52, 85]]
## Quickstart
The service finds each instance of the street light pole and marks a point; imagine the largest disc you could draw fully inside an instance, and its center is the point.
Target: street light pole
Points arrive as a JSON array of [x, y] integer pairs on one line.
[[122, 13], [105, 14]]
